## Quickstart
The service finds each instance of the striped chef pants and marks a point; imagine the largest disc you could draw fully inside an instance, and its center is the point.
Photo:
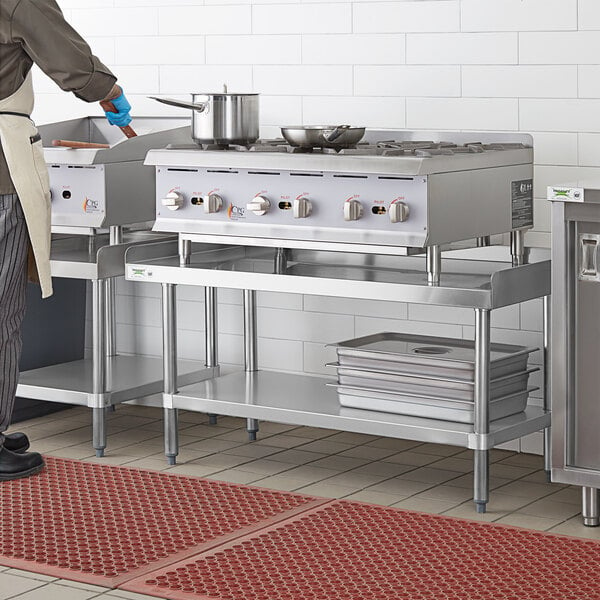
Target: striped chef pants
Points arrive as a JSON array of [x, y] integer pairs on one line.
[[14, 243]]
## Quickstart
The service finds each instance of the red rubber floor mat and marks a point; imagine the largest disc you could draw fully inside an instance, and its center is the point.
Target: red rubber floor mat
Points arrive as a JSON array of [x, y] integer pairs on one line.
[[104, 525], [355, 551]]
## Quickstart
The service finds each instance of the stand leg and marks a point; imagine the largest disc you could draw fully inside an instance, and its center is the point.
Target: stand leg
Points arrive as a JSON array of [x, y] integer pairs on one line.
[[517, 247], [211, 320], [185, 252], [170, 369], [547, 389], [481, 484], [484, 241], [590, 509], [99, 365], [250, 348], [434, 265]]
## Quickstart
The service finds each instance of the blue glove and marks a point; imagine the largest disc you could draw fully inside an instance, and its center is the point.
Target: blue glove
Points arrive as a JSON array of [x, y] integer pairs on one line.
[[122, 118]]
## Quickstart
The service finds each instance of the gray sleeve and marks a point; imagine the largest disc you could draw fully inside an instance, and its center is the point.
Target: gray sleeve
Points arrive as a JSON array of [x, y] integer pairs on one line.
[[40, 26]]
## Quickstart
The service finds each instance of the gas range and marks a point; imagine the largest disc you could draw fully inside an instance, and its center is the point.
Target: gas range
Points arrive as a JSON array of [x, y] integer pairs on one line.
[[391, 192]]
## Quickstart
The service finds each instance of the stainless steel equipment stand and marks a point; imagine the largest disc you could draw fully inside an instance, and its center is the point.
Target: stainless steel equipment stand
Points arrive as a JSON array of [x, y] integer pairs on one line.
[[590, 507], [106, 379], [170, 370], [211, 320], [483, 284]]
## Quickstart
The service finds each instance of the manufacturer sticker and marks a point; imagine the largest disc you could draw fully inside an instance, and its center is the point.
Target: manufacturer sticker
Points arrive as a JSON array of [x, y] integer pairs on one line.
[[139, 273], [522, 203], [235, 213], [565, 194], [91, 206]]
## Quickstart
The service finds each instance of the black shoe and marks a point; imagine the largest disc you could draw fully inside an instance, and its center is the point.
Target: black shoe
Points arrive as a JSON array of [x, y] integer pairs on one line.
[[17, 466], [16, 442]]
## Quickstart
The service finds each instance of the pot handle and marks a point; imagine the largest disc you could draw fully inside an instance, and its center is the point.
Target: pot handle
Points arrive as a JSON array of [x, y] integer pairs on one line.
[[336, 133], [200, 107]]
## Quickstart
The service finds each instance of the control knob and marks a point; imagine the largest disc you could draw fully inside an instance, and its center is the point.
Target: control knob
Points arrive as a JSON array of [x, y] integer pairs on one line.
[[302, 208], [353, 210], [173, 201], [259, 206], [399, 212], [213, 203]]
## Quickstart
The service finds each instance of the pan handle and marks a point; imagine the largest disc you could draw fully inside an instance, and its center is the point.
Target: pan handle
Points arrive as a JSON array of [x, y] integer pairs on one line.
[[200, 107], [336, 133]]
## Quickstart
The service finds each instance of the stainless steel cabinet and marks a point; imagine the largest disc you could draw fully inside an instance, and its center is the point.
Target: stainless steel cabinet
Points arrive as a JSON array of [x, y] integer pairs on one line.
[[576, 341]]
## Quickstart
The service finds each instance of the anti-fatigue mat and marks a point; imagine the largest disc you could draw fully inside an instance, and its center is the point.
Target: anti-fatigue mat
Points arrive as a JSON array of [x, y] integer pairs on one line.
[[104, 525], [355, 551]]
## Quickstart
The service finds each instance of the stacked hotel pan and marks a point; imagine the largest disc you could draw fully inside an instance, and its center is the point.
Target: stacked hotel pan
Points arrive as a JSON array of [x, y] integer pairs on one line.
[[429, 377]]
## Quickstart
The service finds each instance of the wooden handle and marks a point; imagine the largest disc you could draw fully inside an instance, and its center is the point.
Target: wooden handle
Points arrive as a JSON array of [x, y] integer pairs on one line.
[[108, 106], [71, 144]]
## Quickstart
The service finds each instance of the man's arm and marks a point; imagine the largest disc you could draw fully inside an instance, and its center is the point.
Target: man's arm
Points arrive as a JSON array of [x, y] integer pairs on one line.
[[61, 52]]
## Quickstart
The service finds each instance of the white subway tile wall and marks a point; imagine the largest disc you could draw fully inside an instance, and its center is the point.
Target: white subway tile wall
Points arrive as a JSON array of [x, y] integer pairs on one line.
[[510, 65]]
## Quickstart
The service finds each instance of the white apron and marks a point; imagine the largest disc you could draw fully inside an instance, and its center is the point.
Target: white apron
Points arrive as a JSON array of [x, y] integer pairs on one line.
[[25, 158]]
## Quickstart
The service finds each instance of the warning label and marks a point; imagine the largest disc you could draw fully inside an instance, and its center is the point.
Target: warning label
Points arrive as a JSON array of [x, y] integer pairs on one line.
[[522, 203]]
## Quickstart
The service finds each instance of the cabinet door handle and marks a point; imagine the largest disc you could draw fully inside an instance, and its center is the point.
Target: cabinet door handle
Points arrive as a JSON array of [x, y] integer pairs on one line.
[[588, 269]]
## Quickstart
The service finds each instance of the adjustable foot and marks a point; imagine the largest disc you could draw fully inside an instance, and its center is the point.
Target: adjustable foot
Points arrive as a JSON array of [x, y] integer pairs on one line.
[[213, 419], [481, 507], [548, 476], [171, 460], [252, 436], [99, 452]]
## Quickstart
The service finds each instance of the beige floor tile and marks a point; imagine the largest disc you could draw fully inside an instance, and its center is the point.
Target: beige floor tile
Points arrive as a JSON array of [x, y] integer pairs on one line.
[[570, 494], [337, 462], [326, 490], [525, 460], [203, 431], [282, 440], [402, 488], [211, 445], [394, 444], [354, 479], [467, 511], [429, 475], [518, 519], [371, 497], [367, 452], [253, 450], [274, 428], [311, 433], [440, 449], [575, 527], [540, 477], [152, 464], [427, 505], [194, 470], [83, 586], [13, 585], [265, 467], [222, 461], [279, 482], [30, 575], [411, 457], [527, 489], [185, 455], [62, 592], [550, 509], [298, 457], [326, 447], [348, 437], [112, 457], [509, 471], [235, 476], [311, 474], [384, 469], [77, 452], [460, 465], [447, 492], [240, 436]]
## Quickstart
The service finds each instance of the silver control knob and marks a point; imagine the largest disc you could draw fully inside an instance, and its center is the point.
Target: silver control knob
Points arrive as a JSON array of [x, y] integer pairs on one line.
[[399, 212], [353, 210], [173, 201], [259, 206], [213, 203], [302, 208]]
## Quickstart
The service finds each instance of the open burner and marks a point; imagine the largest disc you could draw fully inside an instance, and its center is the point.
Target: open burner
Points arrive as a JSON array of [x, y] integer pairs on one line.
[[418, 149]]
